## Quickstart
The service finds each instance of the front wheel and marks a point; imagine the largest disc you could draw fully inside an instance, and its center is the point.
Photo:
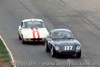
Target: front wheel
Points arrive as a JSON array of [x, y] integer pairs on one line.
[[23, 42], [20, 37], [46, 47], [53, 52], [78, 54]]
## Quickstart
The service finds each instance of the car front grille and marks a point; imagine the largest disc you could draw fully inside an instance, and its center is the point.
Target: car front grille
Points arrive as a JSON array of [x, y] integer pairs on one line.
[[37, 39]]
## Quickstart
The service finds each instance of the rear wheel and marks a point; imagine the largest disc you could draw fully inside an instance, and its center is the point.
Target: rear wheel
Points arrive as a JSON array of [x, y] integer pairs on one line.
[[78, 54]]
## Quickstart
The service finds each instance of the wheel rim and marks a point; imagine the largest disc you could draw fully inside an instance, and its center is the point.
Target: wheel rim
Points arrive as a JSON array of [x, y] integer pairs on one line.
[[52, 51]]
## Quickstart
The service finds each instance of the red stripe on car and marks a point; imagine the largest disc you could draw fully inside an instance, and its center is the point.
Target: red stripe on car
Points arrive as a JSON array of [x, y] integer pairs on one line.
[[33, 33], [35, 20], [30, 19], [38, 34]]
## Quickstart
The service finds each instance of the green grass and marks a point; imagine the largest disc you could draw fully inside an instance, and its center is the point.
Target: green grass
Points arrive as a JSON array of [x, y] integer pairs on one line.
[[4, 53], [3, 56], [7, 59]]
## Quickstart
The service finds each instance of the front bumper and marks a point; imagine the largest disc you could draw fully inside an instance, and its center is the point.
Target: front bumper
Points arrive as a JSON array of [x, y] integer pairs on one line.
[[68, 52], [34, 39]]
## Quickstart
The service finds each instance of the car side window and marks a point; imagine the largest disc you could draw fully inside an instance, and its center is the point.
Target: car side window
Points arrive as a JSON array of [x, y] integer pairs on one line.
[[22, 25]]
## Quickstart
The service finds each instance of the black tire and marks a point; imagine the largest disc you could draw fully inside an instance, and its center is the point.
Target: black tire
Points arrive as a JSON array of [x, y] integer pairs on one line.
[[53, 52], [20, 38], [47, 48], [23, 42], [78, 54]]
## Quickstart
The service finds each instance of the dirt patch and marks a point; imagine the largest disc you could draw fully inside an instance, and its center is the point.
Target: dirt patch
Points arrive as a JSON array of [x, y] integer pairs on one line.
[[5, 64]]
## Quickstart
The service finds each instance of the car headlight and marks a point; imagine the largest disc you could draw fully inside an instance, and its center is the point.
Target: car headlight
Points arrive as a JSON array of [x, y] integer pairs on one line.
[[57, 47], [78, 48]]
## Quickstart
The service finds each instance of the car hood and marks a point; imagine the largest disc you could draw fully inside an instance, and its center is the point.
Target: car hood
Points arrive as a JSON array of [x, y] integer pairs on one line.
[[37, 33], [65, 42]]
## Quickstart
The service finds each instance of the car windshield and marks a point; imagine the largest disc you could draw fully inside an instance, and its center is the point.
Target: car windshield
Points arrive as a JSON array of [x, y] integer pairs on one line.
[[62, 35], [34, 24]]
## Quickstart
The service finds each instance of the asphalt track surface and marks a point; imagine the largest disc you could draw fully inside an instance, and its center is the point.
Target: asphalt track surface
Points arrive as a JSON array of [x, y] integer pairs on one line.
[[81, 16]]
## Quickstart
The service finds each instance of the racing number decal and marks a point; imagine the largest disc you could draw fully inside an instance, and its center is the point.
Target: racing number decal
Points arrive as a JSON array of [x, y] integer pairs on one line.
[[68, 47]]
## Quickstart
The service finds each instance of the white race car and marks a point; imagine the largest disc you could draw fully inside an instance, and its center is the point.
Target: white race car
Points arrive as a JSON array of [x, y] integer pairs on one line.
[[32, 30]]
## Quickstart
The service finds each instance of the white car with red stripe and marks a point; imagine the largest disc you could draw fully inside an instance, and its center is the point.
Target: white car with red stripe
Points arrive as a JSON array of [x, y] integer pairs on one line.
[[32, 30]]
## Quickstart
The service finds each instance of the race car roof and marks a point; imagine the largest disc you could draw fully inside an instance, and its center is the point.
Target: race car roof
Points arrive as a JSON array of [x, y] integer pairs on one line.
[[32, 20]]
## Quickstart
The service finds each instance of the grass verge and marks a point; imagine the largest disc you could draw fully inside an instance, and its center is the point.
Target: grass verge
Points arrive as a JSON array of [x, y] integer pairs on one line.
[[4, 53]]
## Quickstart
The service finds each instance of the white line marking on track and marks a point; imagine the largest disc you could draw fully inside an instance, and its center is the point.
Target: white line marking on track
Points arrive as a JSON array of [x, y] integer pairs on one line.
[[12, 58]]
